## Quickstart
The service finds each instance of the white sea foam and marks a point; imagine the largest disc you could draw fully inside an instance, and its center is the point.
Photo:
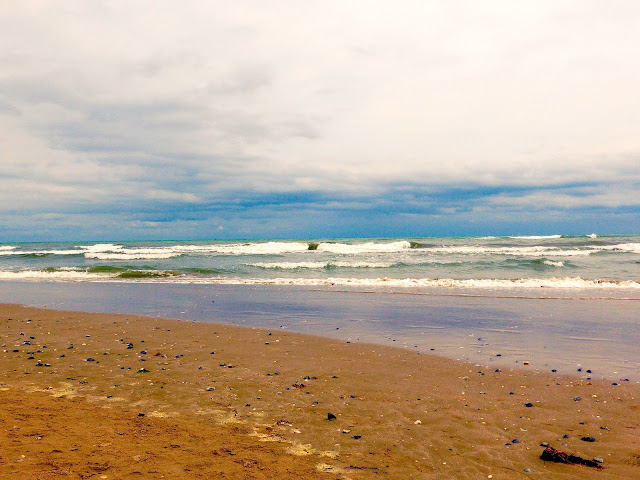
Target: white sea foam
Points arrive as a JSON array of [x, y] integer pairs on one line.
[[4, 248], [67, 275], [71, 274], [562, 283], [592, 235], [622, 247], [367, 247], [553, 264], [101, 247], [318, 265], [131, 256]]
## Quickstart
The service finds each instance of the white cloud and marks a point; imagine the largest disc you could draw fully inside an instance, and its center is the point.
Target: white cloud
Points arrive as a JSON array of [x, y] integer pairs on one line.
[[122, 101]]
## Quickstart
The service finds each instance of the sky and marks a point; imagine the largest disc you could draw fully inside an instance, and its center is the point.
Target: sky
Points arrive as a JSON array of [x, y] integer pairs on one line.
[[318, 119]]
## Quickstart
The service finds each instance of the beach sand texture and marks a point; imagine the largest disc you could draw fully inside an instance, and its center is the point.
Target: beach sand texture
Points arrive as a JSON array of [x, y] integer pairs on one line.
[[120, 396]]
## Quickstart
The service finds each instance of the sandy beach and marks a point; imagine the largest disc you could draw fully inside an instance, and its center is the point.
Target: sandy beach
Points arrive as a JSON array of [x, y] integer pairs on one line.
[[121, 396]]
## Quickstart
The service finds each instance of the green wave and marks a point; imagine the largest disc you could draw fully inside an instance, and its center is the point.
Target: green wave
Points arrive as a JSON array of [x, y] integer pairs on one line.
[[147, 274], [203, 271]]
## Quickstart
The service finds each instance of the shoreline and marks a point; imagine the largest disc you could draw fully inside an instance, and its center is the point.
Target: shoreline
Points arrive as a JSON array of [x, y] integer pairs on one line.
[[414, 415], [562, 334]]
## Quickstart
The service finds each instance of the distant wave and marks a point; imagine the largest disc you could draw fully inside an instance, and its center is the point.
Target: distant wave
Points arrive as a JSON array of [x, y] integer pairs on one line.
[[536, 237], [38, 253], [110, 251], [533, 251]]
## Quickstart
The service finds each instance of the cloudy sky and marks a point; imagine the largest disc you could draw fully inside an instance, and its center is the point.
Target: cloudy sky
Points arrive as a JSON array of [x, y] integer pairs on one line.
[[304, 119]]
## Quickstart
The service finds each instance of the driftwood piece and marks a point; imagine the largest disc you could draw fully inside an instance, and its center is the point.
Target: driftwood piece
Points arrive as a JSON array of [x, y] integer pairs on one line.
[[552, 455]]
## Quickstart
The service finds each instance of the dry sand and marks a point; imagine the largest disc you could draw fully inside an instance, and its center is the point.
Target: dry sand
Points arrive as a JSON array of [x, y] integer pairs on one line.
[[230, 402]]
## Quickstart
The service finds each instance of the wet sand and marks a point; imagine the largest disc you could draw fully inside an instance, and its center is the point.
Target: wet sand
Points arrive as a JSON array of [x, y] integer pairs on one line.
[[122, 396]]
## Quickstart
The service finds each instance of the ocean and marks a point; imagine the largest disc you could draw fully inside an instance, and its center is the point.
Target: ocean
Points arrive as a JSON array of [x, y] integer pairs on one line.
[[602, 265], [565, 303]]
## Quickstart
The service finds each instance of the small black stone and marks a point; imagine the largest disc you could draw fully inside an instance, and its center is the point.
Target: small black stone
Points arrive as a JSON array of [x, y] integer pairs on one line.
[[528, 405], [91, 359], [357, 437], [331, 416], [588, 439]]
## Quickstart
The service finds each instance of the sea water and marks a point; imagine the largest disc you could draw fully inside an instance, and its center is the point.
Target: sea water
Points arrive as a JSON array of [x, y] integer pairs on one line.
[[608, 264], [566, 303]]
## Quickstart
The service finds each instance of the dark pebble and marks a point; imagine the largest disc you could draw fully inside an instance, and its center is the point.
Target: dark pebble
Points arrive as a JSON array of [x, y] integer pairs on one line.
[[588, 439], [91, 359], [528, 405], [141, 414], [357, 437], [515, 440], [565, 436], [577, 399], [331, 416], [544, 444]]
